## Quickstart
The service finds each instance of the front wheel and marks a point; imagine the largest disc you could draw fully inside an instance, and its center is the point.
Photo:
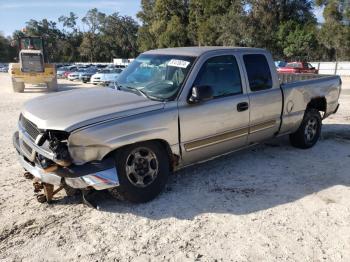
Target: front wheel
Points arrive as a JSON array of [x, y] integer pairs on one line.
[[143, 171], [309, 131]]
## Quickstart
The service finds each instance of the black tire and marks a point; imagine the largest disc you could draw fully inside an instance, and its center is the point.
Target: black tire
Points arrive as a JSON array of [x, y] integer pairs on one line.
[[70, 191], [306, 136], [128, 190]]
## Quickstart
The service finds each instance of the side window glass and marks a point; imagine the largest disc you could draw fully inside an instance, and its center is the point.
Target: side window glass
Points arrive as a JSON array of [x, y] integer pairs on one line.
[[221, 73], [258, 71]]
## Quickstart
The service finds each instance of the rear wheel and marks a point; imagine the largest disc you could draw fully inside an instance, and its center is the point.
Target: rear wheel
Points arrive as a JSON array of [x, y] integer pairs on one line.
[[143, 171], [309, 131], [18, 87]]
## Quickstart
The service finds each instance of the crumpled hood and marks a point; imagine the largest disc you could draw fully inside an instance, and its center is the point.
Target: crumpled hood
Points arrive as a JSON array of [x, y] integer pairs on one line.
[[70, 110]]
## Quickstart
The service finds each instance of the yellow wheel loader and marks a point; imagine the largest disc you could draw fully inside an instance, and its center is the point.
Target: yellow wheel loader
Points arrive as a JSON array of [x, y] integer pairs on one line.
[[32, 68]]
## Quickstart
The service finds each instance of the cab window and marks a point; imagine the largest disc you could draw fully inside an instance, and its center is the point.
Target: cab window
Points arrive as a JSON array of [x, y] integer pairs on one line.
[[258, 71], [221, 73]]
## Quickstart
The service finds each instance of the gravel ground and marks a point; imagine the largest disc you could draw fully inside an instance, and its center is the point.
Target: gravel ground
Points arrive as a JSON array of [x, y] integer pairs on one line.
[[271, 202]]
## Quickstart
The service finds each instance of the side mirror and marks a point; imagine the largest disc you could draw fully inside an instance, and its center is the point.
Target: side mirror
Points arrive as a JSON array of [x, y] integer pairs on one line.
[[200, 94]]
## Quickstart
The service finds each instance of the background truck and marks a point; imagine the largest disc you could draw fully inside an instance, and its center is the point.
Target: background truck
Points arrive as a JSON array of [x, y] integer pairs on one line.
[[170, 108], [32, 68]]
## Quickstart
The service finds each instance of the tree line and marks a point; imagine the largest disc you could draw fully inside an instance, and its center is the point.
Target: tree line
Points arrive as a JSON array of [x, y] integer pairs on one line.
[[288, 29]]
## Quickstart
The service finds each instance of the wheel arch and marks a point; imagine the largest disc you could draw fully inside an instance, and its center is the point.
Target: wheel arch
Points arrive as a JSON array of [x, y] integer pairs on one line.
[[319, 103], [173, 157]]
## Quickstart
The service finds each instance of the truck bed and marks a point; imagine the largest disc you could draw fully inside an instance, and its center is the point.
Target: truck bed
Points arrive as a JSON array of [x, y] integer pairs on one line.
[[300, 89], [288, 78]]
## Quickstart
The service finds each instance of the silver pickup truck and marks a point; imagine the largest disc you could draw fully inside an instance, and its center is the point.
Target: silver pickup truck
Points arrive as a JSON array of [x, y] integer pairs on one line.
[[169, 109]]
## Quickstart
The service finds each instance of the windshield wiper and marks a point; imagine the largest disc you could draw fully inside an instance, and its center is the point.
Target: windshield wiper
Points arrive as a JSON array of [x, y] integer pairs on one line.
[[134, 89], [144, 94]]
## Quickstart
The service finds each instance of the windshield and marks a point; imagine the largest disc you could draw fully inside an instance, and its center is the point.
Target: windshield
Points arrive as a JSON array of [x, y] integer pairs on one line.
[[157, 76]]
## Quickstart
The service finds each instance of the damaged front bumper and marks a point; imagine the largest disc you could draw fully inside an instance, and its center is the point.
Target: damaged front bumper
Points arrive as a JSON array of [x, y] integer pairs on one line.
[[98, 175]]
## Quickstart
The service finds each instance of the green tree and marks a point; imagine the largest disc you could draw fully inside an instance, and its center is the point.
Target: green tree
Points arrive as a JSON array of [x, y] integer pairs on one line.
[[207, 20], [119, 36], [334, 34], [265, 16], [164, 24], [91, 44], [297, 41], [7, 51], [72, 39], [146, 40], [233, 29]]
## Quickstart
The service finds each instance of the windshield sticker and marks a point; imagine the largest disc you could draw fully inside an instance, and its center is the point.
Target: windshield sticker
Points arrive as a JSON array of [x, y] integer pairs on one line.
[[178, 63]]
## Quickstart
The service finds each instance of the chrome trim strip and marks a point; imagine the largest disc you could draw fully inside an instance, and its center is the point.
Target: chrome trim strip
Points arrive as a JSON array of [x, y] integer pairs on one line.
[[197, 144], [99, 181], [262, 126]]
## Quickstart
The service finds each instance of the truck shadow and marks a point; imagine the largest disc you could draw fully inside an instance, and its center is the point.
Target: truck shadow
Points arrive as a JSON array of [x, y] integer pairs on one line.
[[251, 180]]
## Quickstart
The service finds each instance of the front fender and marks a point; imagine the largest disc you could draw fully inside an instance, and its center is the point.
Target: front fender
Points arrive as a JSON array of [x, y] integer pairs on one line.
[[96, 141]]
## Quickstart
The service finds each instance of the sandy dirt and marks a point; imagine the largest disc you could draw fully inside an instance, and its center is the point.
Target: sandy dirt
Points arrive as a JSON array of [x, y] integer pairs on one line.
[[271, 202]]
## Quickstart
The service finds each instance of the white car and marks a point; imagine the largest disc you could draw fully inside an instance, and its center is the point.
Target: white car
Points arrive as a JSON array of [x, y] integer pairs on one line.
[[105, 76], [4, 69], [76, 75]]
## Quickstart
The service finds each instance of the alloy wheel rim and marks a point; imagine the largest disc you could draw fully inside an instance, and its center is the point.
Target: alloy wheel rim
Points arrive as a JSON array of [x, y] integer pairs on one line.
[[141, 167], [311, 129]]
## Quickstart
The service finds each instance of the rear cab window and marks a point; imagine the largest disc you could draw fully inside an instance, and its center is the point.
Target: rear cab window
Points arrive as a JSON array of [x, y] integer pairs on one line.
[[258, 72]]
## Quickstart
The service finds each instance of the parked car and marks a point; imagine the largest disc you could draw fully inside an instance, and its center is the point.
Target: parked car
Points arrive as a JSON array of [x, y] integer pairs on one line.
[[77, 75], [194, 104], [101, 66], [105, 76], [60, 71], [74, 75], [63, 72], [4, 69], [86, 76], [298, 67]]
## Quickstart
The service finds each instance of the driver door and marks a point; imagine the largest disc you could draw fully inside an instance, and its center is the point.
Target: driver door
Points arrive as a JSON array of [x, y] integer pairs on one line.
[[219, 125]]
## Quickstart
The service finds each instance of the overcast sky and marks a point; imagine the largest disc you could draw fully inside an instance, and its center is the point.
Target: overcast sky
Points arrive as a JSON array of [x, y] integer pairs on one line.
[[14, 13]]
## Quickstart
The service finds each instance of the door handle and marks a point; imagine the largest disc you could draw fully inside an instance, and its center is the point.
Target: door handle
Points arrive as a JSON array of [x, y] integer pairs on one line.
[[242, 106]]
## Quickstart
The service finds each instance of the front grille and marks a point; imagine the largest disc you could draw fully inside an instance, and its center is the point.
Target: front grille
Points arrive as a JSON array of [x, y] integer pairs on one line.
[[29, 127], [32, 63], [27, 147]]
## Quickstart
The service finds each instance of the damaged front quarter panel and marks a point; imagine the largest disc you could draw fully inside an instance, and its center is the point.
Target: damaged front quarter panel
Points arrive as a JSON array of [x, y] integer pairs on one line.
[[94, 142], [82, 149]]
